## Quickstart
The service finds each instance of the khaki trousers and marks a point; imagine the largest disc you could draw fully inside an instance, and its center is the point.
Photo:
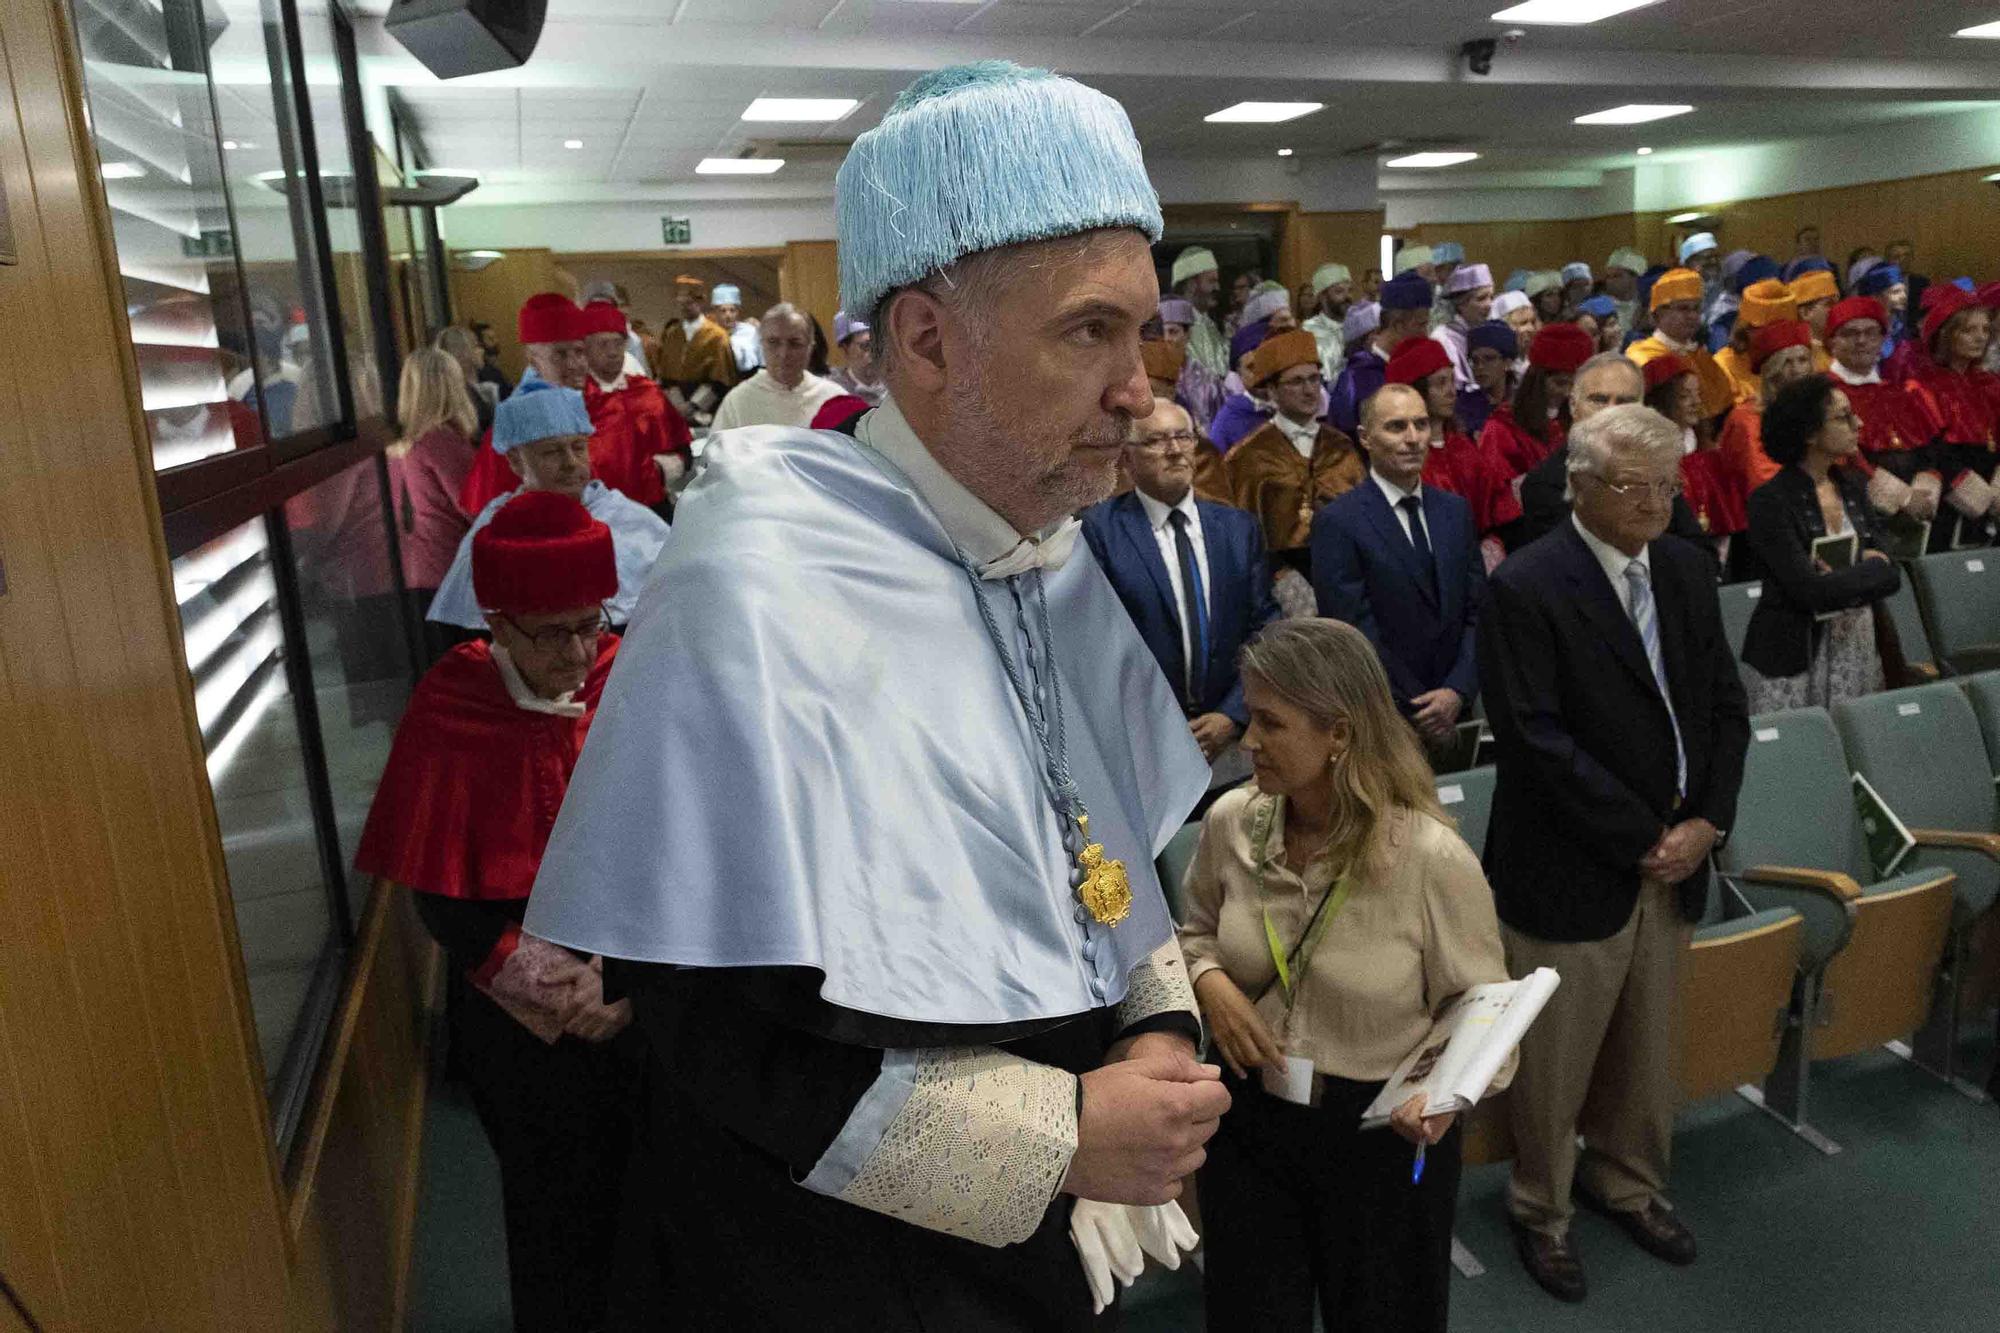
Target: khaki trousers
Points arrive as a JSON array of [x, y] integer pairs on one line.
[[1599, 1061]]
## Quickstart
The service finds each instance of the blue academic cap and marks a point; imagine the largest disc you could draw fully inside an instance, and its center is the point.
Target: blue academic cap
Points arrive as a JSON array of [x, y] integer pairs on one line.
[[973, 157], [1757, 268], [538, 410], [1496, 335], [1406, 291]]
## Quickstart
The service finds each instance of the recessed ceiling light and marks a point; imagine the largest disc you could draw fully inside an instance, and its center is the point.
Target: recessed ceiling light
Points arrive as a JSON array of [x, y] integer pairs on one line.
[[1634, 113], [572, 143], [1284, 152], [799, 108], [1989, 30], [1645, 152], [1678, 218], [1262, 113], [1568, 11], [1418, 161], [229, 145], [120, 171], [739, 166]]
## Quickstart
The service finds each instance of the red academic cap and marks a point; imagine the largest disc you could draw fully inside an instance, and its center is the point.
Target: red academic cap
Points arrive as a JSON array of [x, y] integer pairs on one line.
[[543, 552], [549, 317], [1775, 338], [1561, 347], [1663, 368], [1414, 359], [603, 317], [1852, 309]]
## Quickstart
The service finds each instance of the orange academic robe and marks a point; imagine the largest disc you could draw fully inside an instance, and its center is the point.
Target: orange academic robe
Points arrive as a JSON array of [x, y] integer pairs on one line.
[[1272, 480]]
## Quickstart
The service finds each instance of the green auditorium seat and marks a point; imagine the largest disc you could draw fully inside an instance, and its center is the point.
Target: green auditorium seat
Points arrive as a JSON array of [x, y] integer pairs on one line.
[[1983, 693], [1870, 946], [1172, 865], [1739, 601], [1467, 798], [1922, 751], [1919, 658], [1960, 595]]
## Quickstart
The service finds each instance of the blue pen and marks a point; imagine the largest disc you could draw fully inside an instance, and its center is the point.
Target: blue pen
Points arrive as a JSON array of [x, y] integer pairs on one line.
[[1417, 1171]]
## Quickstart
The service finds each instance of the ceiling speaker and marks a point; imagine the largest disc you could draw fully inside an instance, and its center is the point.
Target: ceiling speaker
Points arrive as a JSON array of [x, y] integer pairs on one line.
[[454, 38]]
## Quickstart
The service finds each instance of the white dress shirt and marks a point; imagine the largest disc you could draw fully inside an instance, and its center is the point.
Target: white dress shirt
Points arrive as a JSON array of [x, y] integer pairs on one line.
[[1303, 434], [1396, 495], [1614, 561], [1161, 516], [1846, 376]]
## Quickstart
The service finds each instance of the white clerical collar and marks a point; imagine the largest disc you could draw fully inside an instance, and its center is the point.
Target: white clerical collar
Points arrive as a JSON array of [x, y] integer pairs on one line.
[[526, 699], [611, 386], [1396, 494], [1303, 435], [1611, 558], [1846, 376], [1158, 513], [990, 541]]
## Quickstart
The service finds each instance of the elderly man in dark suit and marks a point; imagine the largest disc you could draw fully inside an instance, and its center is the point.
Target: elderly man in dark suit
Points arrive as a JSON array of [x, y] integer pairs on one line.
[[1400, 561], [1192, 573], [1621, 728]]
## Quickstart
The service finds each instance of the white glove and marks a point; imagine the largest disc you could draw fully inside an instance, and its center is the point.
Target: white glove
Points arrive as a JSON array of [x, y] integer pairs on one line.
[[1163, 1231], [1108, 1247]]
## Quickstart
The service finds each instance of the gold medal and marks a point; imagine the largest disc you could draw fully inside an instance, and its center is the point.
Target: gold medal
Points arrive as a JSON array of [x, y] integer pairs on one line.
[[1106, 891]]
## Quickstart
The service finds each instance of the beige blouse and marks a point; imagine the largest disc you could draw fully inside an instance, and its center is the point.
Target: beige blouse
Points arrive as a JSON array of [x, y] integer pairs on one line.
[[1409, 938]]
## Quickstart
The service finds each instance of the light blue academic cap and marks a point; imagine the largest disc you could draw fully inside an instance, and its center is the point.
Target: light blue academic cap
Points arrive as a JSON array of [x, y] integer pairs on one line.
[[973, 157], [1447, 252], [538, 410]]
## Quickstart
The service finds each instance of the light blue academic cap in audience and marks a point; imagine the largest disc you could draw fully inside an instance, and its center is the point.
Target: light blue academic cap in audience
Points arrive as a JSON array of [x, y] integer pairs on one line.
[[1363, 318], [538, 410], [1699, 243], [1576, 271], [973, 157], [1447, 252], [1516, 280], [1603, 307], [726, 294]]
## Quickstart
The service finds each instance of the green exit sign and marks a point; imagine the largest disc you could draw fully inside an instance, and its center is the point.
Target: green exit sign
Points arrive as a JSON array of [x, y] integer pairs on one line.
[[677, 231]]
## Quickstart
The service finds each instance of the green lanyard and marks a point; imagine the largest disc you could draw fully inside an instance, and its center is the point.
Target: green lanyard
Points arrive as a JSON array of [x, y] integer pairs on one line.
[[1323, 915]]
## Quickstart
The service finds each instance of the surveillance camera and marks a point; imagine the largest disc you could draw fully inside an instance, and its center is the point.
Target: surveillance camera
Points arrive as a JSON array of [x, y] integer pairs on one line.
[[1478, 55]]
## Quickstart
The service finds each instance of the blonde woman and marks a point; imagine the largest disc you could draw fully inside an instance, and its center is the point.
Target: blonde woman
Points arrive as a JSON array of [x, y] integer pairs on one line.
[[1338, 858], [427, 465]]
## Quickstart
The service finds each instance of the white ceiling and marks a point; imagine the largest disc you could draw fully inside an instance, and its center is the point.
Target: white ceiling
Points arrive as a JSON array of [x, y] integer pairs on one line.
[[653, 86]]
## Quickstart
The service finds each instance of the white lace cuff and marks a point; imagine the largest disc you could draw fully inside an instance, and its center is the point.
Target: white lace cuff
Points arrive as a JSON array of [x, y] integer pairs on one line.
[[970, 1141], [1159, 985]]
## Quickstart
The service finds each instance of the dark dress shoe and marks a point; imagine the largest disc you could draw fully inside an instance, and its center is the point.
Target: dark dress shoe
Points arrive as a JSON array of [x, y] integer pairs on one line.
[[1551, 1261], [1653, 1228]]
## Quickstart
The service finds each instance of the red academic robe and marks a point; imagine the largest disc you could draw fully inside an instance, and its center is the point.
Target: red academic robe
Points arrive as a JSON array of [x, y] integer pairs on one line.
[[1898, 422], [1468, 471], [1715, 492], [629, 426], [1512, 447], [474, 781], [1968, 404]]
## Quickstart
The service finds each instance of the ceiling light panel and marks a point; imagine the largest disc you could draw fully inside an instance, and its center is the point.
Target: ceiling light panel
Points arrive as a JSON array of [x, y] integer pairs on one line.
[[816, 110], [1420, 161], [1568, 11], [1262, 113], [738, 166], [1635, 113], [1987, 30]]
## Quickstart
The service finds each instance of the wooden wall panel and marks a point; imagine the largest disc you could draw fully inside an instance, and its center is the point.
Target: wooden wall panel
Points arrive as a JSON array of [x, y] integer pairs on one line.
[[1312, 239], [136, 1176], [495, 293], [809, 277]]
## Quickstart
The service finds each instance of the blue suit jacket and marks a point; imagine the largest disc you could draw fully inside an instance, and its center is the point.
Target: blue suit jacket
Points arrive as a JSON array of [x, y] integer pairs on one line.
[[1366, 572], [1239, 592]]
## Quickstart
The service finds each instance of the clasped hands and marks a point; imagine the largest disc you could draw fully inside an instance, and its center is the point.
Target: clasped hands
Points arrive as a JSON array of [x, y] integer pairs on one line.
[[555, 993], [1436, 712], [1680, 851]]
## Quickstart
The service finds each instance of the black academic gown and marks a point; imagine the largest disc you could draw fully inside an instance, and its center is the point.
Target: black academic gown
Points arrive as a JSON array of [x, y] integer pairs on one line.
[[754, 1076]]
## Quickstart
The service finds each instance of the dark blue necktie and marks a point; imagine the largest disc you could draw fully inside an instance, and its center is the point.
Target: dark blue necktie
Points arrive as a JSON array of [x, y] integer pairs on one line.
[[1413, 509], [1194, 611]]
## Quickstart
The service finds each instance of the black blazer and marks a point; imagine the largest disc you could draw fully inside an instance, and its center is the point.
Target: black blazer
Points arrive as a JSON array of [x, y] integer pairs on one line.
[[1543, 507], [1366, 572], [1785, 519], [1240, 604], [1584, 745]]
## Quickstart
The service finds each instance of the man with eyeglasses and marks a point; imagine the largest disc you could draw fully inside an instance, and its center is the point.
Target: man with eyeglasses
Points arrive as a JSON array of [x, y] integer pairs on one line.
[[1191, 573], [1285, 470], [1605, 381], [482, 759], [543, 433], [1620, 725]]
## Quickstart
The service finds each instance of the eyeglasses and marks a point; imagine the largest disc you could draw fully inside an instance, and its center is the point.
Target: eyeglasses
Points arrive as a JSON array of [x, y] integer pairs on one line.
[[1314, 380], [1159, 444], [1662, 491], [555, 638]]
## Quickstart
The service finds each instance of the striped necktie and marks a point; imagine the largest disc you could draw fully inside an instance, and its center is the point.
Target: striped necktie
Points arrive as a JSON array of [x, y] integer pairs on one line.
[[1646, 619]]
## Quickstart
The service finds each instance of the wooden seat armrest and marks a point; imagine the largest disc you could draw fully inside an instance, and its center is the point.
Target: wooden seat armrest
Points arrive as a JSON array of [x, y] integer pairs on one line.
[[1840, 887], [1987, 844]]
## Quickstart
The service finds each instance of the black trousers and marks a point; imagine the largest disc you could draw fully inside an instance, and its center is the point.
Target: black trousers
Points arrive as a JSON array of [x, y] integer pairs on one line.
[[560, 1120], [1300, 1206]]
